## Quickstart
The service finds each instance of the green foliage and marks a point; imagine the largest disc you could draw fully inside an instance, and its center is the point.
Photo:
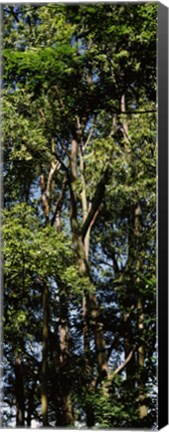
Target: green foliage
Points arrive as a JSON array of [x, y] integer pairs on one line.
[[31, 249]]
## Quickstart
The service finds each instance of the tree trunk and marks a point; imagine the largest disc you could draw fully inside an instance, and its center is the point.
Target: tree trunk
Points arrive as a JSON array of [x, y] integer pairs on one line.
[[130, 301], [134, 264], [44, 398], [143, 411], [91, 310], [66, 411], [45, 195], [81, 243], [140, 320], [19, 392], [31, 404]]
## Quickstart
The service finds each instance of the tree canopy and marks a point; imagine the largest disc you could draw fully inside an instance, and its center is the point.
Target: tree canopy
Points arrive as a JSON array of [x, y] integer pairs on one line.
[[79, 144]]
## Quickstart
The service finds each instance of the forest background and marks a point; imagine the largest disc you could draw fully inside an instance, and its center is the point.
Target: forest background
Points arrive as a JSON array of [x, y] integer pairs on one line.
[[79, 145]]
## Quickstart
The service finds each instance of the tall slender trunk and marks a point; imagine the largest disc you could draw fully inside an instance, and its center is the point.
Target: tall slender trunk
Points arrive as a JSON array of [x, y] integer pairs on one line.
[[91, 311], [31, 404], [65, 414], [81, 242], [45, 195], [90, 304], [44, 398], [140, 320], [134, 367], [128, 346], [137, 227], [134, 261], [19, 392], [86, 329], [130, 302], [143, 410], [66, 411]]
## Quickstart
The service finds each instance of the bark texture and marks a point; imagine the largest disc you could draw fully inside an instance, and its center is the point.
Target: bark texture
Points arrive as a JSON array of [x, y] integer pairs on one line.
[[66, 411], [44, 397], [19, 392]]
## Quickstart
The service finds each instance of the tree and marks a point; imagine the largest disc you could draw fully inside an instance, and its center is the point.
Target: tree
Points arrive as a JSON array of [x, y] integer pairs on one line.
[[79, 227]]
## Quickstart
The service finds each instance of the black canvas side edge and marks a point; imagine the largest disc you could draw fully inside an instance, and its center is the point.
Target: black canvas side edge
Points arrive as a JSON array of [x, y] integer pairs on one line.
[[162, 318], [1, 207]]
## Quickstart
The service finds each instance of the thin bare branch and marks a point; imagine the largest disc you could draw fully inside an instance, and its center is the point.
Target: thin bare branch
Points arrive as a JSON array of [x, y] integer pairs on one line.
[[55, 166], [124, 364], [88, 139], [95, 206], [59, 202], [42, 115]]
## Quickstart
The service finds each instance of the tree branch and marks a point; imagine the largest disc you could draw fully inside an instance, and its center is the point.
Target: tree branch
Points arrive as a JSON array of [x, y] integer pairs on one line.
[[55, 166], [61, 162], [124, 364], [88, 139], [60, 200], [93, 213]]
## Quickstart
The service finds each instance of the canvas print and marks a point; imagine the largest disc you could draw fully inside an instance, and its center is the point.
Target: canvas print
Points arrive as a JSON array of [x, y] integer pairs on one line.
[[79, 218]]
